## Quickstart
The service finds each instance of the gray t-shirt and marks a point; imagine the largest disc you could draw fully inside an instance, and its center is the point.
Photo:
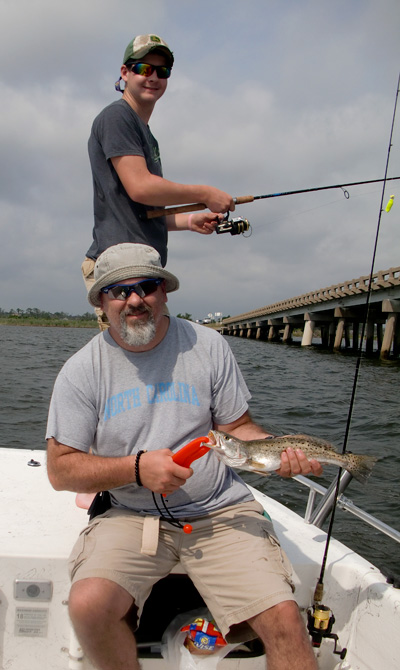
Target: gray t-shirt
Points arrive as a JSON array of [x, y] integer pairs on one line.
[[119, 402], [119, 131]]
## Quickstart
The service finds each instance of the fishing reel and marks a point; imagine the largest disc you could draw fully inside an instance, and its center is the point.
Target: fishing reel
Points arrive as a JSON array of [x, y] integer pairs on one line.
[[320, 620], [236, 226]]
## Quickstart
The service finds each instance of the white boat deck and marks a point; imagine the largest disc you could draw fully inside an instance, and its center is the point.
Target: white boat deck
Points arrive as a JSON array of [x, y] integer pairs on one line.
[[38, 527]]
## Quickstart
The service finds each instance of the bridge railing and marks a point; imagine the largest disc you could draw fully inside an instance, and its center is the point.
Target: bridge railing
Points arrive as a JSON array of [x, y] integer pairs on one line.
[[380, 280]]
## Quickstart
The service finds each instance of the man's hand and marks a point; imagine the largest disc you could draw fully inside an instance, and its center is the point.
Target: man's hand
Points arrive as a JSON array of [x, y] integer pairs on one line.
[[204, 222], [217, 201], [160, 474], [294, 462]]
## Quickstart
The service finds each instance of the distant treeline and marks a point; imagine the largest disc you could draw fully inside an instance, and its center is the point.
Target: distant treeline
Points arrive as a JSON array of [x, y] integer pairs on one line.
[[37, 317]]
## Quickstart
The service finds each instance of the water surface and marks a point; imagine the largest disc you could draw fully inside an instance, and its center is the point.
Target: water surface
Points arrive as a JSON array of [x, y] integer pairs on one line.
[[294, 389]]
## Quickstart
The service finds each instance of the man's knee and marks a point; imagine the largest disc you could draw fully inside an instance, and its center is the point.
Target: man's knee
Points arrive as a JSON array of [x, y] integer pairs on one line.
[[281, 618], [98, 601]]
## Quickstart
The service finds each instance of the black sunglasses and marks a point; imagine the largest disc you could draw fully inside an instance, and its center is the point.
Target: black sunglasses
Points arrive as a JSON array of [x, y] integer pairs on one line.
[[141, 288], [146, 70]]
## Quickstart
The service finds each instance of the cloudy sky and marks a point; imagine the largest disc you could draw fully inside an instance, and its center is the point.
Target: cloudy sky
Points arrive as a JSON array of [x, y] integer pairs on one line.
[[266, 96]]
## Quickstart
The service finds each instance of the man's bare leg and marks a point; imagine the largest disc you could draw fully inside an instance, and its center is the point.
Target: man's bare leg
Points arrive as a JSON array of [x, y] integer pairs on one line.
[[98, 610], [285, 638]]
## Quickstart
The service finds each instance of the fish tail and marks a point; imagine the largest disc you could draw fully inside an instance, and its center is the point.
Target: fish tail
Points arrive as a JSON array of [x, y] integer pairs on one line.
[[360, 466]]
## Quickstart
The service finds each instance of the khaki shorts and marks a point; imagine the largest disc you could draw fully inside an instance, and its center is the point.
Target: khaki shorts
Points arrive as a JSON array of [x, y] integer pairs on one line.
[[232, 556]]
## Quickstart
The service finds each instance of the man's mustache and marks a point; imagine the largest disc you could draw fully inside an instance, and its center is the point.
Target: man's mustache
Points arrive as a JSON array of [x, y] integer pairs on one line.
[[133, 311]]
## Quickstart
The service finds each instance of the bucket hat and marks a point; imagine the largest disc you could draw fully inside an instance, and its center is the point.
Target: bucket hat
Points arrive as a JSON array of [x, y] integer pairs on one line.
[[127, 261]]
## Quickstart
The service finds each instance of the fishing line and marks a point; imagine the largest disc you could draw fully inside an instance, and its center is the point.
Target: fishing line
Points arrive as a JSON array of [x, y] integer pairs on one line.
[[312, 209], [305, 211], [319, 587]]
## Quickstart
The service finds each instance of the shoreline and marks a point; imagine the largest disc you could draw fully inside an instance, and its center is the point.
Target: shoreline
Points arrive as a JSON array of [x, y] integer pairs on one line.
[[50, 323]]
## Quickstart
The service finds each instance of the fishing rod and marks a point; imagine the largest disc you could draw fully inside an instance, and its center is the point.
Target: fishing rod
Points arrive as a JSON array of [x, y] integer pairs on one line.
[[240, 200], [320, 619]]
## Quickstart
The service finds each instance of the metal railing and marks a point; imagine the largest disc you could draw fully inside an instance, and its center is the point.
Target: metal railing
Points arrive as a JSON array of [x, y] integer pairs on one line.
[[318, 516]]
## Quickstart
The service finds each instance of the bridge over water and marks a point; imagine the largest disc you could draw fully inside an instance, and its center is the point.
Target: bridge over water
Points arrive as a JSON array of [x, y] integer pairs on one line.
[[335, 313]]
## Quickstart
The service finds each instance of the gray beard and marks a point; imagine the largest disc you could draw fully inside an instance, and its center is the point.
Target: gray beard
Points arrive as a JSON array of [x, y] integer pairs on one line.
[[139, 334]]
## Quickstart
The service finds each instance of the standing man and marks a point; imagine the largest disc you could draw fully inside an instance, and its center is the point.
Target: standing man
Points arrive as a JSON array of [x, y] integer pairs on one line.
[[126, 165], [121, 407]]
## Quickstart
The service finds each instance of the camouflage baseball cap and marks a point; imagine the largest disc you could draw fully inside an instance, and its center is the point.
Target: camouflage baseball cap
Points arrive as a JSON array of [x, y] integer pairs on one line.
[[143, 44]]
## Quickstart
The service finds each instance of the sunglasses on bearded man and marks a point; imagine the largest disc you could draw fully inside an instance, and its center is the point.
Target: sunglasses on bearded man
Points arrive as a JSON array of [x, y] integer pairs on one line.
[[123, 291]]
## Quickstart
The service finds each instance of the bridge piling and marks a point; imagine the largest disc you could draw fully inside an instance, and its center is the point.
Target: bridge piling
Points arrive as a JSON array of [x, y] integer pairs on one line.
[[369, 337], [273, 333], [391, 334], [308, 332], [287, 333]]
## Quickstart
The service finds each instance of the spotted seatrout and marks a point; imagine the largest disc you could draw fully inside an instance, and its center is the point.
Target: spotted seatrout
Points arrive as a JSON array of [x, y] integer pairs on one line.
[[264, 456]]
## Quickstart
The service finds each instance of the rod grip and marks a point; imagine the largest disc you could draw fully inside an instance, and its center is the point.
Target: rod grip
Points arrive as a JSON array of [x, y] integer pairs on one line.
[[244, 198], [182, 209]]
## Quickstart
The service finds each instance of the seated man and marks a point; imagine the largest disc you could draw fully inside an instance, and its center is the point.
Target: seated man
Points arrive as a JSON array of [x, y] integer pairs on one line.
[[121, 407]]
